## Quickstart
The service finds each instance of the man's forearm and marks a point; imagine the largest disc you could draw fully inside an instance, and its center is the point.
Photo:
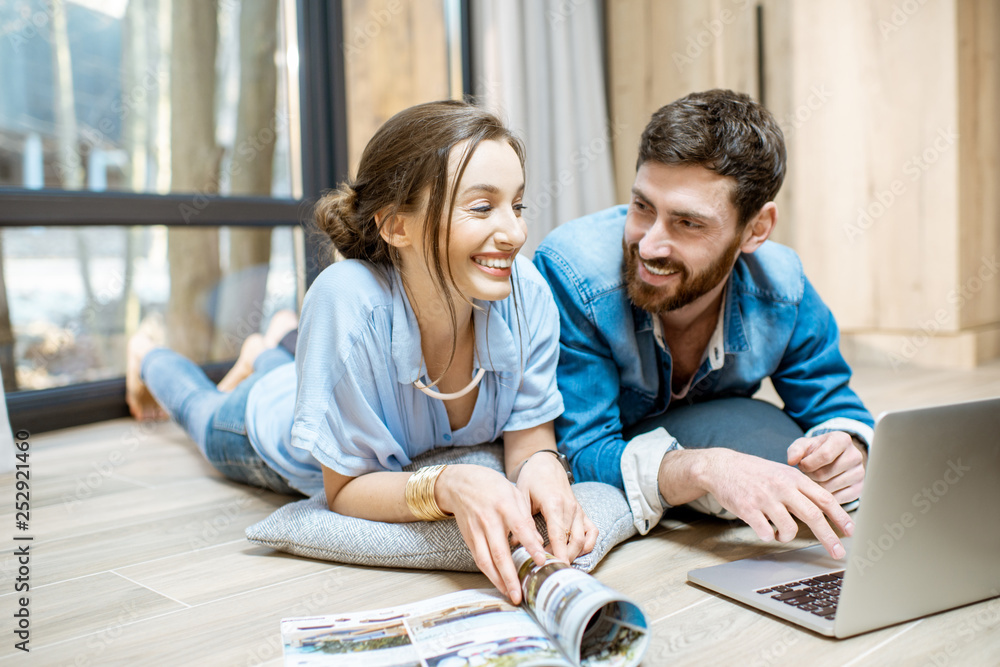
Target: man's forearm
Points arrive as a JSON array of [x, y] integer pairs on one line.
[[682, 475]]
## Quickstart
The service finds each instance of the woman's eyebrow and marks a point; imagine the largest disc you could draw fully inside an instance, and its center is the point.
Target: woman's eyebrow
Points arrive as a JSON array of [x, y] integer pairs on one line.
[[488, 188], [482, 187]]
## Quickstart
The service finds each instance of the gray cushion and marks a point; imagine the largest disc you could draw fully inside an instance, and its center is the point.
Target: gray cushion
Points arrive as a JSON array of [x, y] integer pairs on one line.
[[308, 528]]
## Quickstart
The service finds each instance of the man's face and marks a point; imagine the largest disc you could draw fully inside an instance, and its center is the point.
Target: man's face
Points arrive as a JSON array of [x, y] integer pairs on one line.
[[680, 238]]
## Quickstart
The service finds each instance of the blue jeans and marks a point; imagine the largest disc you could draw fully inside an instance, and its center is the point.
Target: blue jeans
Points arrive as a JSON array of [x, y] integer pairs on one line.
[[215, 420], [744, 425]]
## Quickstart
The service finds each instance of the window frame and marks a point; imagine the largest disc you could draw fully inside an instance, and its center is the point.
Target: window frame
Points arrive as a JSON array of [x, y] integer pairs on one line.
[[323, 123]]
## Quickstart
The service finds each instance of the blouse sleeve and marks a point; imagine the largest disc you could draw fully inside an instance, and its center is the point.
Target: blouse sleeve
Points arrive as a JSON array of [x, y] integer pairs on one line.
[[342, 361]]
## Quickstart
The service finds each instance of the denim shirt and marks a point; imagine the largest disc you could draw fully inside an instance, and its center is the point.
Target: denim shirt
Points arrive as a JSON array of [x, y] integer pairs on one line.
[[612, 374]]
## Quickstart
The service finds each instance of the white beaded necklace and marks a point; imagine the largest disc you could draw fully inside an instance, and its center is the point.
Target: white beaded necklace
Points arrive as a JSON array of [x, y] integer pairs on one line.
[[455, 394]]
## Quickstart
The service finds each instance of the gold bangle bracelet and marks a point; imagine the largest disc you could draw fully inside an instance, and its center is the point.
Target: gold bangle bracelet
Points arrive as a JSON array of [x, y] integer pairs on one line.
[[419, 494]]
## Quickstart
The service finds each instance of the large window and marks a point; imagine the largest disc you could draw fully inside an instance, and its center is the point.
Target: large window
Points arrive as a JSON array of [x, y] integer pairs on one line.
[[156, 160], [122, 95], [75, 294]]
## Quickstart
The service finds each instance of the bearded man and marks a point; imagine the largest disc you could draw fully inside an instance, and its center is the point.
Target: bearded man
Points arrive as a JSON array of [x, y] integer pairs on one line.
[[675, 308]]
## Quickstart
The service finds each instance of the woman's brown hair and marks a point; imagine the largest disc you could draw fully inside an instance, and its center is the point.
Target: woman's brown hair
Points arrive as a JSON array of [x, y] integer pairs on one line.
[[404, 166]]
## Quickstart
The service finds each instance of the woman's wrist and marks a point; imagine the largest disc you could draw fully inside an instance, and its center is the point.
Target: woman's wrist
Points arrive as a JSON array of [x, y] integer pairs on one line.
[[444, 489], [552, 458], [421, 493]]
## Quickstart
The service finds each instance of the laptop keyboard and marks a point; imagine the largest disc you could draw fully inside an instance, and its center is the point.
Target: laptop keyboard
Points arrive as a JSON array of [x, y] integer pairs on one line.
[[817, 595]]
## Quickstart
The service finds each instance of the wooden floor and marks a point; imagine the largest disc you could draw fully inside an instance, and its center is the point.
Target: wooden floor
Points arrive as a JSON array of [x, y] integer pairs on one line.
[[139, 558]]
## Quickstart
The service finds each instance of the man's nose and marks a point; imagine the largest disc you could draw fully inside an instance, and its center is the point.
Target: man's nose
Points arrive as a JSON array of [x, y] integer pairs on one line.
[[656, 243]]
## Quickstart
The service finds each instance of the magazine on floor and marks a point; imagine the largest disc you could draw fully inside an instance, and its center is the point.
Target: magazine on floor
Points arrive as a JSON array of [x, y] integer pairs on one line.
[[567, 619]]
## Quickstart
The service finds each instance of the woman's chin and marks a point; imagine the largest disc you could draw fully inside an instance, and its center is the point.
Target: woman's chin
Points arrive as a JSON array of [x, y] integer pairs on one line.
[[489, 292]]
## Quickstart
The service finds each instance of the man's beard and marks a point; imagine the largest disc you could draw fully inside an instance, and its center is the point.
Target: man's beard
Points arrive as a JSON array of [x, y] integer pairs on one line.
[[656, 300]]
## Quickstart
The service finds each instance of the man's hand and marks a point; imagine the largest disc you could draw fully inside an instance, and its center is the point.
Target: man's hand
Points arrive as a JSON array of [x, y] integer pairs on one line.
[[765, 494], [835, 461]]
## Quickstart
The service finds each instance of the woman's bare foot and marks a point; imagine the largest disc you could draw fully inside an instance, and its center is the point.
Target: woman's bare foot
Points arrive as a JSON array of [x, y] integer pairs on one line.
[[140, 402], [281, 323], [241, 370]]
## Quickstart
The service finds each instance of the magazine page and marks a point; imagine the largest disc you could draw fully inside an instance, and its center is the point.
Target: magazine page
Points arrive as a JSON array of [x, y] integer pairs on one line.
[[593, 624], [463, 629]]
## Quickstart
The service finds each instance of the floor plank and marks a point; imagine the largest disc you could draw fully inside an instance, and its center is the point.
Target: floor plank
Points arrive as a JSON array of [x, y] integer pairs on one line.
[[242, 629], [94, 551], [139, 558], [220, 571], [96, 607]]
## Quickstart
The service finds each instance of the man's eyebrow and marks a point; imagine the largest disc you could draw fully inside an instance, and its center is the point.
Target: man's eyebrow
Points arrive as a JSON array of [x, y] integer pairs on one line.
[[677, 212], [638, 193], [684, 213]]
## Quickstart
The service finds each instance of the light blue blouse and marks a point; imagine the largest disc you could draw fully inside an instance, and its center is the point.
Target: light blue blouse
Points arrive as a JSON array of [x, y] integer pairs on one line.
[[356, 410]]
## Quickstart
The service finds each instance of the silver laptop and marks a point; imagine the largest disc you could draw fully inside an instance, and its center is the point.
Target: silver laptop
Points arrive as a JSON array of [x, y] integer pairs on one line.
[[926, 538]]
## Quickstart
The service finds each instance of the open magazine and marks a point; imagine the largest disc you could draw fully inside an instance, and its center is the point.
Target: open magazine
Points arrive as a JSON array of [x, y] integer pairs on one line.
[[568, 619]]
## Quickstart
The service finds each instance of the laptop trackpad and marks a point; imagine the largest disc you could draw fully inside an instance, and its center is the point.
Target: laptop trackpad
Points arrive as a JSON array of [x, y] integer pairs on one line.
[[751, 574]]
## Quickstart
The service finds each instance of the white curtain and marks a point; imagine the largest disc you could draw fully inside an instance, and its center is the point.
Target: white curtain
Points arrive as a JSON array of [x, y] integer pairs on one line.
[[540, 63]]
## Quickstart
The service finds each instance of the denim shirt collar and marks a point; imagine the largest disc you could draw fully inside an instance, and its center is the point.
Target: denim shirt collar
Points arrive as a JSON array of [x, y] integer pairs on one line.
[[495, 348], [734, 337]]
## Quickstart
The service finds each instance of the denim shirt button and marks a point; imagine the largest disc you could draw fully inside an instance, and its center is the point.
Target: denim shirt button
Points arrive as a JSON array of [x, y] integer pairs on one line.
[[447, 437]]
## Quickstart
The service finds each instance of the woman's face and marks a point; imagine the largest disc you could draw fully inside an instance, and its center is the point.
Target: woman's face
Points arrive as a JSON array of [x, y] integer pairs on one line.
[[487, 229]]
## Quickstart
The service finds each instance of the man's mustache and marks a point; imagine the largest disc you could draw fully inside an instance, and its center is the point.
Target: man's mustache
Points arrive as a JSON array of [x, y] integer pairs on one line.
[[664, 264]]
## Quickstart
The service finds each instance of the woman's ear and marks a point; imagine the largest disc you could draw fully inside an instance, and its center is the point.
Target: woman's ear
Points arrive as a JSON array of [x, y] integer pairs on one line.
[[392, 228], [759, 228]]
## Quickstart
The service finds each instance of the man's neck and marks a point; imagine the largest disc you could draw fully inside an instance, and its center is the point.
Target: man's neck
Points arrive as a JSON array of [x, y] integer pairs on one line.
[[699, 315], [686, 334]]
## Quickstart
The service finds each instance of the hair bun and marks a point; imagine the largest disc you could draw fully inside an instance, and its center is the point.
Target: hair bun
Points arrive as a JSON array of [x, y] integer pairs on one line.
[[337, 217]]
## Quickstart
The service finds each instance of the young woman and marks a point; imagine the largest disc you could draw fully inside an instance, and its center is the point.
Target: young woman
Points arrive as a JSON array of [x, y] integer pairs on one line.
[[431, 333]]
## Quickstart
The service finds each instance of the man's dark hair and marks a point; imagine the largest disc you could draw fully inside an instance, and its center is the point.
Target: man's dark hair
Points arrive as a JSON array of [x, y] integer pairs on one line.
[[726, 132]]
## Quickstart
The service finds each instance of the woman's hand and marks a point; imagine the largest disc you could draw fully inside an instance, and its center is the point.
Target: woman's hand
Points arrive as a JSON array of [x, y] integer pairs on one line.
[[541, 478], [543, 481], [489, 509]]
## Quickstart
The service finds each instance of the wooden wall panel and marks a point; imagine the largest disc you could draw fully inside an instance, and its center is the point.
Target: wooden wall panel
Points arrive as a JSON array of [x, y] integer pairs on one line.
[[876, 224], [660, 51], [778, 61], [889, 111], [978, 289], [396, 56]]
